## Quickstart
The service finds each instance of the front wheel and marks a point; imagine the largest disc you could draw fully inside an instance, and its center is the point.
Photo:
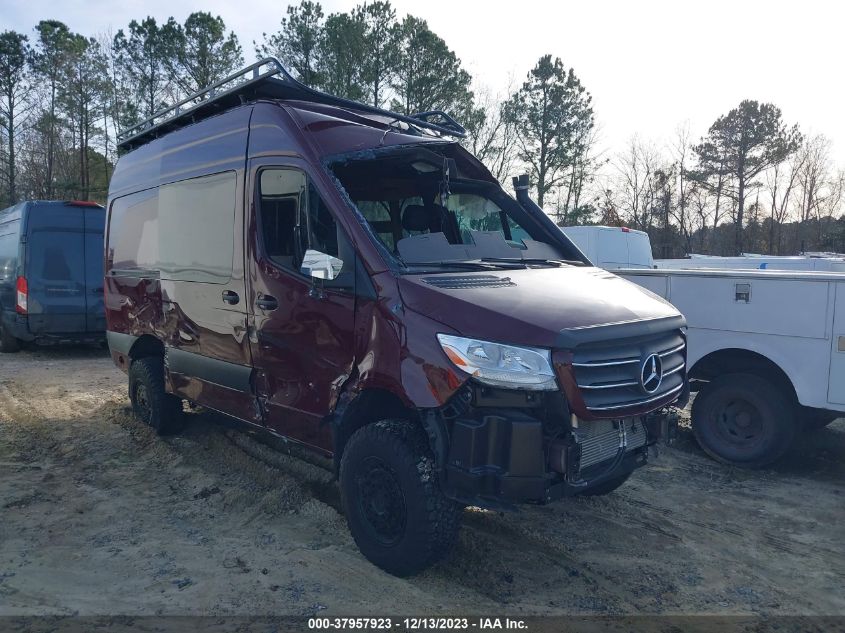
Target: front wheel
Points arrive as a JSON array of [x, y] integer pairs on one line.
[[744, 420], [396, 512]]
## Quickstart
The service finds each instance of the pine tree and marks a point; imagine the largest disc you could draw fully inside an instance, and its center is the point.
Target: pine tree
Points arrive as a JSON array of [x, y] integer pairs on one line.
[[553, 117]]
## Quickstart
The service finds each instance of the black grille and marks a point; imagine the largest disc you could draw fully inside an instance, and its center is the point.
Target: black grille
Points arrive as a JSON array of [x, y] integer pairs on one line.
[[473, 281], [609, 375]]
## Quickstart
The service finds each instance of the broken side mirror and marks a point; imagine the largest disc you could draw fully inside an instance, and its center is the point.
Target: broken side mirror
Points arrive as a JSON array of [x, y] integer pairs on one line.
[[320, 265]]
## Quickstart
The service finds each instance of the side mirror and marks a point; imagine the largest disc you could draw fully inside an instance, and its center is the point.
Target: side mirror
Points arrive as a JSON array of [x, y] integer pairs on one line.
[[320, 266]]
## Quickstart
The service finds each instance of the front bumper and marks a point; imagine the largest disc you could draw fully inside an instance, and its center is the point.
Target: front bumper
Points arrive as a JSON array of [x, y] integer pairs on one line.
[[497, 458]]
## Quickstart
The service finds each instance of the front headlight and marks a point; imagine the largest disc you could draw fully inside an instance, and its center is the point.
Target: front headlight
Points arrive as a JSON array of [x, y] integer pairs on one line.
[[501, 365]]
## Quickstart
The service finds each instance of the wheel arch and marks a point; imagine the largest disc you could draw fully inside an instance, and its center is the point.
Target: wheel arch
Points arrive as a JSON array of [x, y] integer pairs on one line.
[[146, 345], [741, 360], [367, 407]]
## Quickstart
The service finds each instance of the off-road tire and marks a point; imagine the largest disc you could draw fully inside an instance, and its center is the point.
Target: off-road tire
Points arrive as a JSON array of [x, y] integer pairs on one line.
[[419, 524], [816, 419], [744, 420], [150, 402], [8, 343], [606, 487]]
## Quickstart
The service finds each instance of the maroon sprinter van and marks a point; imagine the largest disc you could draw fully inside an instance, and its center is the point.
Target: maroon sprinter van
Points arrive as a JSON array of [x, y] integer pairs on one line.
[[353, 280]]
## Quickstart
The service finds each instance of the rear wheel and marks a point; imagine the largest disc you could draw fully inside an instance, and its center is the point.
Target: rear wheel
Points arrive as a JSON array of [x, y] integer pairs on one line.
[[396, 512], [150, 402], [605, 488], [744, 419], [8, 343]]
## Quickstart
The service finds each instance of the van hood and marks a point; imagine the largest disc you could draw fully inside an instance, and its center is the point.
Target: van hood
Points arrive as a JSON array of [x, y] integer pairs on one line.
[[535, 307]]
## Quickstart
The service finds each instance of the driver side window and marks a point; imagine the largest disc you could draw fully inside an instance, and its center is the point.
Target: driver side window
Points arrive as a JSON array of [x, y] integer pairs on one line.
[[293, 218], [282, 193]]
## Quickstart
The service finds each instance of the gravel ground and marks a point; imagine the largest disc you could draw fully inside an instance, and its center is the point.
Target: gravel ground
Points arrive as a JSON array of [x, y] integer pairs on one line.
[[100, 517]]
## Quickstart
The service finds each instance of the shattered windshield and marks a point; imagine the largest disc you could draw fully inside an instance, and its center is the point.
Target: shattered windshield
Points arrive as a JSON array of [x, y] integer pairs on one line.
[[423, 217]]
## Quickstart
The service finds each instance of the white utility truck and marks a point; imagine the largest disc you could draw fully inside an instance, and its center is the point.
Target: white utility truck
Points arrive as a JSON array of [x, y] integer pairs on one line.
[[621, 247], [765, 349]]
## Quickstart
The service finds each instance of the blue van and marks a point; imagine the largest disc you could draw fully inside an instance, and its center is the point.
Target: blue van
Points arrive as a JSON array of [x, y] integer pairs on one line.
[[51, 273]]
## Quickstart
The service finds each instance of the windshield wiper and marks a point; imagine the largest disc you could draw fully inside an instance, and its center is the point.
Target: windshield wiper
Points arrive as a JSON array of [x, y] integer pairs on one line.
[[536, 260], [475, 264]]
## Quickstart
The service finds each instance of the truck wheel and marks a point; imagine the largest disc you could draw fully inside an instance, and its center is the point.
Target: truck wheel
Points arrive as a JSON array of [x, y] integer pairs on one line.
[[815, 419], [150, 402], [605, 488], [744, 420], [8, 343], [396, 512]]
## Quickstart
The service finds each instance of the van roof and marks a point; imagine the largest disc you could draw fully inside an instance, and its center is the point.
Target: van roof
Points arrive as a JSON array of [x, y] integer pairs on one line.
[[602, 227], [268, 79], [30, 204]]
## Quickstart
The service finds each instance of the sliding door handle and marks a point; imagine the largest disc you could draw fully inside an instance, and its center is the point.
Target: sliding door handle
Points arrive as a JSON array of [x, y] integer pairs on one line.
[[266, 302]]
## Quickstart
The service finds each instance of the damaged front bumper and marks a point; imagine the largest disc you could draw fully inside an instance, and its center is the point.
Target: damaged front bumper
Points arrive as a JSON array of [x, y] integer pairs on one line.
[[500, 456]]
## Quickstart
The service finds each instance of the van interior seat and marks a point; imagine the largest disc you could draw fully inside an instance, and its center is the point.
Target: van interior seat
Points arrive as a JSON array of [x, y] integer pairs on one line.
[[415, 217]]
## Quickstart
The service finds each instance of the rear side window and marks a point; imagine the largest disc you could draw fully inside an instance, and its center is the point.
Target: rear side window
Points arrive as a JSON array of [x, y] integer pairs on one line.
[[196, 228], [184, 231], [9, 241]]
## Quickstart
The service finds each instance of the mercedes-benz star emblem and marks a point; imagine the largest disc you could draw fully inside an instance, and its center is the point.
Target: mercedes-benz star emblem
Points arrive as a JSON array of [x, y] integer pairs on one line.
[[651, 373]]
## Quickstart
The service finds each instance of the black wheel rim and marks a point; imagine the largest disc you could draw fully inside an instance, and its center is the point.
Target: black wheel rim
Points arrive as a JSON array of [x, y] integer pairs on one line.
[[381, 501], [142, 403], [739, 423]]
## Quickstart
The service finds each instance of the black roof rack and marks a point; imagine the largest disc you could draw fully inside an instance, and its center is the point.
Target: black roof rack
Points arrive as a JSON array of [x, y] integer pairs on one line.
[[265, 79]]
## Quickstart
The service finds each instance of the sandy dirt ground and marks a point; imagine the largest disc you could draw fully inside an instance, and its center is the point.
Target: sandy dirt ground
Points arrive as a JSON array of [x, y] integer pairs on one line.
[[100, 517]]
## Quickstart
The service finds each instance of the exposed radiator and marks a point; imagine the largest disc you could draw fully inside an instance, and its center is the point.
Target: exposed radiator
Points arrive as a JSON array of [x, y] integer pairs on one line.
[[600, 439]]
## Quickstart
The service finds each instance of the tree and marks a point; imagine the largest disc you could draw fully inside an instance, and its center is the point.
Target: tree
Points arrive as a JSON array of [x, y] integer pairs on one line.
[[681, 150], [341, 55], [781, 181], [85, 91], [48, 61], [382, 35], [742, 144], [636, 182], [553, 117], [140, 56], [428, 75], [14, 91], [571, 208], [297, 42], [491, 135], [201, 52]]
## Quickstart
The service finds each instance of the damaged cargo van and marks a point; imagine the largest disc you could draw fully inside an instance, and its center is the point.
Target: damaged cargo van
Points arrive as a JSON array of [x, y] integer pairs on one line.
[[51, 273], [353, 280]]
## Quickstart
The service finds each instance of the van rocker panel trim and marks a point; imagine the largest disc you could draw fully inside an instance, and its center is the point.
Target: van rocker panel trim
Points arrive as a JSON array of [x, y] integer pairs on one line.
[[219, 372]]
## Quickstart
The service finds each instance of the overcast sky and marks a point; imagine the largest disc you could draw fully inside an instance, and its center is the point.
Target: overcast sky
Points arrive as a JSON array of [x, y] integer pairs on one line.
[[650, 65]]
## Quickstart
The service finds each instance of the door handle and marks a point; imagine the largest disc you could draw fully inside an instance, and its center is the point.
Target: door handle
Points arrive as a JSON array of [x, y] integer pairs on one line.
[[231, 297], [266, 302]]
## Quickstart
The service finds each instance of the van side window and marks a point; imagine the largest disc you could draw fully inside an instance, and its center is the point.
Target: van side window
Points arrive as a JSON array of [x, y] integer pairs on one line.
[[281, 192], [196, 220], [322, 227], [184, 231], [294, 218], [9, 241]]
